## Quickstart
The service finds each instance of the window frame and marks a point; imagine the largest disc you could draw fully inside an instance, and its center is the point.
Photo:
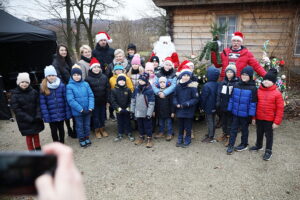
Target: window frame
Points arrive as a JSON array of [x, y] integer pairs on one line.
[[226, 43], [297, 39]]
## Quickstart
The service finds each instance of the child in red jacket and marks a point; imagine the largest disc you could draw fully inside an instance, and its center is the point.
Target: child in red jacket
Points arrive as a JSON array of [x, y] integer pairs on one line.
[[269, 112]]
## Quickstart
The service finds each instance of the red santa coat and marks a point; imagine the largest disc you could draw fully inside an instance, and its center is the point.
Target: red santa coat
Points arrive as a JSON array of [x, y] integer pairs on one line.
[[174, 56], [270, 104], [240, 58]]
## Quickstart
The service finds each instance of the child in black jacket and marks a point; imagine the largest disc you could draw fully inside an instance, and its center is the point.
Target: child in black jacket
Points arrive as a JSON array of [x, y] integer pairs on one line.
[[224, 93], [120, 100], [164, 110]]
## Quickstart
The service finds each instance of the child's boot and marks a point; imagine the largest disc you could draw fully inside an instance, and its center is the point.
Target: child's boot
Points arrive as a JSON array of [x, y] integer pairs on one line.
[[187, 141], [88, 141], [140, 140], [82, 142], [159, 135], [131, 137], [221, 138], [98, 133], [103, 132], [268, 154], [149, 142], [179, 140], [118, 138], [38, 149]]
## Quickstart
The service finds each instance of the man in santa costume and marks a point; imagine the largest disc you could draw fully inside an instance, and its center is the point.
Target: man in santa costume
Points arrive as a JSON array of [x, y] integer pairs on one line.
[[239, 56], [102, 51], [164, 48]]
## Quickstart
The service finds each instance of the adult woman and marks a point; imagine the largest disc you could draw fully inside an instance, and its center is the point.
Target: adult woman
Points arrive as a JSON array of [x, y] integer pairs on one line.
[[85, 59], [63, 64]]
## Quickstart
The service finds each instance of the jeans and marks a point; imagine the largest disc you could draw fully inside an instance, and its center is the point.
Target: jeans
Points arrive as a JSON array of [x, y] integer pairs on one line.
[[226, 122], [99, 116], [57, 126], [145, 126], [83, 125], [243, 123], [211, 124], [264, 128], [162, 122], [124, 125], [184, 124]]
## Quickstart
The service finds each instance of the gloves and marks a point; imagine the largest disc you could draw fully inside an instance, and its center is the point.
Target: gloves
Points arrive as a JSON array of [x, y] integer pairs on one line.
[[131, 116], [148, 117], [85, 111]]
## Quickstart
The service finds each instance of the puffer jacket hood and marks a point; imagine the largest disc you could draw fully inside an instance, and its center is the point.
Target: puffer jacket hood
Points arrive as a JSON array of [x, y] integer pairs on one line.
[[212, 74]]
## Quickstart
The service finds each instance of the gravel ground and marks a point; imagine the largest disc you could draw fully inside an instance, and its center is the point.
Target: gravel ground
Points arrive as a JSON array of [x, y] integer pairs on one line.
[[202, 171]]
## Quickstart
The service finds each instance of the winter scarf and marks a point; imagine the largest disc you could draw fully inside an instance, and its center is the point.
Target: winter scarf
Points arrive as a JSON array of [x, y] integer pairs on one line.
[[54, 85], [88, 60]]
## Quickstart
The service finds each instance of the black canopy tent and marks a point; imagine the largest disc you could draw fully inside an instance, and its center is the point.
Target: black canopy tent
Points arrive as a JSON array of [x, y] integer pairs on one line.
[[23, 48]]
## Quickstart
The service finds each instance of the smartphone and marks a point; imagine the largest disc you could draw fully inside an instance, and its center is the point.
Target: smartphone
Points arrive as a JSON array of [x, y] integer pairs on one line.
[[18, 171]]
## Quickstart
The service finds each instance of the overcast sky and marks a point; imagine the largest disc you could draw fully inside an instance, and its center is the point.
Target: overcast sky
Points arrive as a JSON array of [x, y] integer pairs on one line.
[[133, 9]]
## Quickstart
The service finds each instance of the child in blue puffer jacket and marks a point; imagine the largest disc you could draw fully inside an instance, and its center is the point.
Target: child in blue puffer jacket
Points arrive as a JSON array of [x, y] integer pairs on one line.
[[242, 104], [81, 100], [208, 101], [53, 103], [185, 99]]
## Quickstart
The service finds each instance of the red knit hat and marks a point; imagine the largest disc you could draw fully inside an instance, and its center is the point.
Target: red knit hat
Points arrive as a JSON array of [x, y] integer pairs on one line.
[[185, 70], [237, 36], [94, 62], [103, 35]]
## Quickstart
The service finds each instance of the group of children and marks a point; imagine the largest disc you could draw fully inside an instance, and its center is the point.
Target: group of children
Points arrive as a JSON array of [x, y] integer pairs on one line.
[[149, 95]]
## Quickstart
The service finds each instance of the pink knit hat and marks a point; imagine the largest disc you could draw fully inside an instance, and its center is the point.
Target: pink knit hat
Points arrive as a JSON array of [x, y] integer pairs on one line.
[[136, 60], [149, 66]]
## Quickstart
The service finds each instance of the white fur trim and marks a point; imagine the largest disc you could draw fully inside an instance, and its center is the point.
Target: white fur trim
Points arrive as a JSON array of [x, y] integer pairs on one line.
[[102, 36], [94, 65], [234, 37]]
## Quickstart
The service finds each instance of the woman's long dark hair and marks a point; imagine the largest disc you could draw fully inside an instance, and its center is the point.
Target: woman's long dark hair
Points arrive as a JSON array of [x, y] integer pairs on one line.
[[67, 59]]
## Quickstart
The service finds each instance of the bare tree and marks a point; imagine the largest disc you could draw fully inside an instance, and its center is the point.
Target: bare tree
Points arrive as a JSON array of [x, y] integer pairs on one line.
[[93, 9]]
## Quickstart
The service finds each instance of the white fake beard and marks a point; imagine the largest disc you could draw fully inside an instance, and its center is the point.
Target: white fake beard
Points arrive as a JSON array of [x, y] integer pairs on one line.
[[163, 50]]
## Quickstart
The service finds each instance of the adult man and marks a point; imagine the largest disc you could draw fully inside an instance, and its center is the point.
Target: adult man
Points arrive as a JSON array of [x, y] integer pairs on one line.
[[102, 51], [239, 56], [164, 48], [105, 56]]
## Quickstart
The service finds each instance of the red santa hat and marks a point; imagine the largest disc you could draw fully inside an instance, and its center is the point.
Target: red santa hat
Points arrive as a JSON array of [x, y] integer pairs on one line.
[[103, 35], [94, 62], [237, 36], [186, 62], [169, 60]]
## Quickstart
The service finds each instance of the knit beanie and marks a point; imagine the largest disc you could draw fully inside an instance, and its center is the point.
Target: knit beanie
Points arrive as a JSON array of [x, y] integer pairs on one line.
[[23, 77], [162, 79], [131, 46], [118, 67], [50, 70], [248, 70], [144, 77], [121, 77], [231, 67], [271, 75], [169, 60], [185, 70], [154, 58], [149, 66], [76, 70], [136, 60]]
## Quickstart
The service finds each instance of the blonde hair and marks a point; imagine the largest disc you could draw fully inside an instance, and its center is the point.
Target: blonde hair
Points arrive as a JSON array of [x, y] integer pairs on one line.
[[119, 51], [44, 88], [85, 47]]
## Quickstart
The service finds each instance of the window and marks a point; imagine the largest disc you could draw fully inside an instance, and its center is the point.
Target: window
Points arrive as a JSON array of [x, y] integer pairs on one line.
[[297, 46], [231, 22]]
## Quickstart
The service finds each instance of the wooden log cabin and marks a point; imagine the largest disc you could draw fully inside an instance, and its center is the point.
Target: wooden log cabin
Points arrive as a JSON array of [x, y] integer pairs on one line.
[[188, 24]]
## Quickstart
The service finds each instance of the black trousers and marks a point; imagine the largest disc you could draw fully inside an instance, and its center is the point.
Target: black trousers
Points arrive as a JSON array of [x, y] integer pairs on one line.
[[264, 128], [226, 122], [57, 126]]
